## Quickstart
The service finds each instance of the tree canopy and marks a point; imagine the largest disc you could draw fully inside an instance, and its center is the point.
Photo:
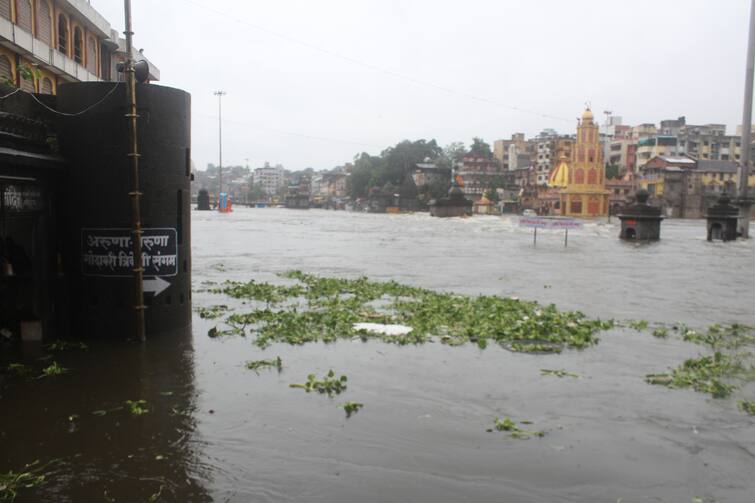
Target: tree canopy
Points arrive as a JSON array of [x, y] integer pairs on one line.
[[480, 148], [395, 164]]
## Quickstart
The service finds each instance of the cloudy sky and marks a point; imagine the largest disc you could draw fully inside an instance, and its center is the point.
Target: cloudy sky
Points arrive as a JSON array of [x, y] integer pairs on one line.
[[312, 83]]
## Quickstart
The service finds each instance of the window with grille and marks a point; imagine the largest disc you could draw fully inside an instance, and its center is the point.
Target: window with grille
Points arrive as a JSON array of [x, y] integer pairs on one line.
[[44, 22], [46, 86], [6, 70], [5, 8], [23, 14], [92, 55], [62, 34], [27, 85], [78, 46]]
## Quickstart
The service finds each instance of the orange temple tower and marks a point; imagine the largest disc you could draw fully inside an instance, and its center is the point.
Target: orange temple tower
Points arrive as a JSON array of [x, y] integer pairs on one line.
[[582, 178]]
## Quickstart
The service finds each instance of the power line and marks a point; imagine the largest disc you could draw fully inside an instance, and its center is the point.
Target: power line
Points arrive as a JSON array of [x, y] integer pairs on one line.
[[74, 114], [291, 133], [58, 112], [373, 67]]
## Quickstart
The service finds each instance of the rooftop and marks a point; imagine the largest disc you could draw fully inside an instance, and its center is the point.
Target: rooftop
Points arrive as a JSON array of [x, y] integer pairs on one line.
[[717, 166]]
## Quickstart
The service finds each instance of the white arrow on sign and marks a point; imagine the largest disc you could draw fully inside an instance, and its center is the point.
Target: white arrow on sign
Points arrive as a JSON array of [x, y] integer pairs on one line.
[[155, 285]]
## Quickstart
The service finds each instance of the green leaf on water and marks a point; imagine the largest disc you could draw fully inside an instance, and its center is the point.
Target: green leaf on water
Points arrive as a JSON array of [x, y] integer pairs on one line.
[[257, 365], [351, 408], [747, 407], [54, 369], [330, 384], [507, 425], [137, 407], [558, 373]]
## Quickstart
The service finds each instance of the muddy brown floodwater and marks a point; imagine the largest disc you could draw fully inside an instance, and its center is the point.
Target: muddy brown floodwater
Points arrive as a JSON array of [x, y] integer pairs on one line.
[[216, 431]]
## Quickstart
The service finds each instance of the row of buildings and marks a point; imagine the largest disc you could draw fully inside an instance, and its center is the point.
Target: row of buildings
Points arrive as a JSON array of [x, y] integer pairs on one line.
[[273, 184], [45, 43], [684, 167]]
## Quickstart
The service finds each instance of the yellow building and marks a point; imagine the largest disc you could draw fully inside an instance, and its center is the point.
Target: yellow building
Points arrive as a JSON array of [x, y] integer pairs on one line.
[[44, 43], [582, 178]]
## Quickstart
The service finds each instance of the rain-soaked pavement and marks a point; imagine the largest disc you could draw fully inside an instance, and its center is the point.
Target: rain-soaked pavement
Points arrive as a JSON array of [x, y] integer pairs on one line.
[[219, 432]]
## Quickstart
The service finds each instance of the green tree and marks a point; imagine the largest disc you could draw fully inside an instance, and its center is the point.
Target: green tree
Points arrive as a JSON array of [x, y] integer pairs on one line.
[[358, 183], [480, 149], [612, 171]]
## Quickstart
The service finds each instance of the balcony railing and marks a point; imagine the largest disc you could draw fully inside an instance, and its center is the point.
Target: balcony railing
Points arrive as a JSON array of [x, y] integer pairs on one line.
[[43, 53]]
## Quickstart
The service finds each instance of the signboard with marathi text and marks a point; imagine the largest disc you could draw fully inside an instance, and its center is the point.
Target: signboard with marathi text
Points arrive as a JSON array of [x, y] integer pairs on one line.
[[23, 198], [109, 252], [550, 223]]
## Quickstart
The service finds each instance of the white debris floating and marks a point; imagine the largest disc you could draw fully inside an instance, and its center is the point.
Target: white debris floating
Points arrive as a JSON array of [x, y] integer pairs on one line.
[[379, 328]]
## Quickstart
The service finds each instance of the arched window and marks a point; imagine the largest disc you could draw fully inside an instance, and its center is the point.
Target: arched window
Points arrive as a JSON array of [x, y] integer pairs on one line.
[[44, 22], [63, 34], [23, 14], [593, 206], [78, 46], [5, 9], [27, 84], [45, 87], [92, 55], [592, 177], [579, 176], [6, 70], [575, 208]]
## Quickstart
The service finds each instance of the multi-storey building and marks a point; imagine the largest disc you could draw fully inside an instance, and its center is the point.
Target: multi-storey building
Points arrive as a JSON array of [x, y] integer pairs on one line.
[[507, 151], [478, 175], [269, 178], [709, 142], [44, 43], [328, 185], [622, 150], [654, 146], [672, 127], [426, 173], [685, 186], [549, 147]]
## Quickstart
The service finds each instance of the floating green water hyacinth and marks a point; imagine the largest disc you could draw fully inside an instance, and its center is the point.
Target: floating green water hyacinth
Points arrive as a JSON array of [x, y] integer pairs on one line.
[[326, 310], [507, 425], [256, 365], [330, 384]]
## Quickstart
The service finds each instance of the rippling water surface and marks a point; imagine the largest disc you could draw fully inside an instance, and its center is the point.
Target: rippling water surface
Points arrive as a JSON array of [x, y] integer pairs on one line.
[[220, 432]]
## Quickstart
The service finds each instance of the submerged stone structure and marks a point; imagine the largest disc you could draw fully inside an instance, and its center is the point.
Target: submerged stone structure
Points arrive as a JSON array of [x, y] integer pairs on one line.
[[722, 220], [453, 205], [640, 221], [203, 200]]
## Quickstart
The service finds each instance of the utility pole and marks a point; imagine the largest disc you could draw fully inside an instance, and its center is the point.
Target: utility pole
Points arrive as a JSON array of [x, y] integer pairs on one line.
[[134, 195], [744, 167], [220, 95]]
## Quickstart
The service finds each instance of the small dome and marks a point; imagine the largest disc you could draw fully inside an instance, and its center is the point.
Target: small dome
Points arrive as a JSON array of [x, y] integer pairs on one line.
[[587, 116], [560, 175]]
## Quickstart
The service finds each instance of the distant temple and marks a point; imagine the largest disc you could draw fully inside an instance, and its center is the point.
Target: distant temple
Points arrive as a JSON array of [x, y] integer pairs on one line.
[[582, 178]]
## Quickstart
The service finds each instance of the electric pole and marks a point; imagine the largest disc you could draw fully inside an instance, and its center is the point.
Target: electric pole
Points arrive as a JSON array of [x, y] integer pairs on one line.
[[134, 195], [744, 166], [220, 95]]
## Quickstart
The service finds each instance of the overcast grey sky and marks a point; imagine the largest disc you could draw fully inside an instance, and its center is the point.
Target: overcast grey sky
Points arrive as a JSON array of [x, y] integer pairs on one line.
[[370, 73]]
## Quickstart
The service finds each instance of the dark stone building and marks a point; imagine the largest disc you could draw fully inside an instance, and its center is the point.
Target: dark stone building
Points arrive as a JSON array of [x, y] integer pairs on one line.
[[203, 200], [32, 293], [640, 221], [453, 205], [722, 220]]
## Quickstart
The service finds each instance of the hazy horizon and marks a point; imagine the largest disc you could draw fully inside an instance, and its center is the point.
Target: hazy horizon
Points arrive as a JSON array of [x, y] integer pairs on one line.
[[310, 86]]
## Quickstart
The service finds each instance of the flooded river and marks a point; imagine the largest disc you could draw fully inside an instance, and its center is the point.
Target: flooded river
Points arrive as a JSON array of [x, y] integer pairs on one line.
[[219, 432]]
